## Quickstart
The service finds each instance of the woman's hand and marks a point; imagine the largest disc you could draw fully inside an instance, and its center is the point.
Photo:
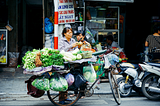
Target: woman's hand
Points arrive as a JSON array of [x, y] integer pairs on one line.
[[75, 44]]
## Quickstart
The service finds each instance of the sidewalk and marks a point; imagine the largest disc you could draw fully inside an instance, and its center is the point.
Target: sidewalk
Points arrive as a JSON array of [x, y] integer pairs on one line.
[[13, 83]]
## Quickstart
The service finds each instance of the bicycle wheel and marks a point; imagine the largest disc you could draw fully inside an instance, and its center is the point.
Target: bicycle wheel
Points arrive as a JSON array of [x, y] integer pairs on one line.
[[114, 87], [54, 98]]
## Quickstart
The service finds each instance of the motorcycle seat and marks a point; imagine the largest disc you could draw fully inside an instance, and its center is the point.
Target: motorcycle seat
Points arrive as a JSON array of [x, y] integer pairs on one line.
[[154, 64], [129, 65], [135, 65]]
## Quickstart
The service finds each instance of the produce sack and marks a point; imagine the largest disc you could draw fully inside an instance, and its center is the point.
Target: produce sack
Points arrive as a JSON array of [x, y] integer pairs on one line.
[[79, 80], [33, 91], [70, 79], [89, 73], [48, 26], [99, 72], [112, 58], [41, 83], [58, 83], [89, 36], [13, 58]]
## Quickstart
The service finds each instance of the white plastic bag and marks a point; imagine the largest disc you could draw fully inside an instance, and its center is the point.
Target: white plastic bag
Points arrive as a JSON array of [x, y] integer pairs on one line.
[[107, 63], [89, 73]]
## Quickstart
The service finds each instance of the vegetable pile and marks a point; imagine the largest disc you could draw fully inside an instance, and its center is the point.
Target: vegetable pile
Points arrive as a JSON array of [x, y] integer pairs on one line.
[[76, 55], [47, 57], [71, 56]]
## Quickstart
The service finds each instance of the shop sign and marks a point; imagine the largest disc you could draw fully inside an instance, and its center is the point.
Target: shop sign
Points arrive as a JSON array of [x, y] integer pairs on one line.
[[131, 1], [66, 12]]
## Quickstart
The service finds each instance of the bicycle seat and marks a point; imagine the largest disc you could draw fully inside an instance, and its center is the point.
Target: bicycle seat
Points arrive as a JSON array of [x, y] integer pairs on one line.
[[154, 64]]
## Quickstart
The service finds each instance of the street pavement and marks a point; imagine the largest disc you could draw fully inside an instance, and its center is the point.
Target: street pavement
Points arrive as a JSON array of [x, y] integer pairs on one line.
[[13, 91], [12, 82]]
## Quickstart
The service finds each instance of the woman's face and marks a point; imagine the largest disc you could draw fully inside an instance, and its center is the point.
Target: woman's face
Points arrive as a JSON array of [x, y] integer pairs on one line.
[[109, 41], [68, 34], [80, 36]]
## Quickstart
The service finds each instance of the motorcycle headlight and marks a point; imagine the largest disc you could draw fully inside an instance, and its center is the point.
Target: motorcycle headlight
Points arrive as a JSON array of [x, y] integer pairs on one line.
[[138, 83]]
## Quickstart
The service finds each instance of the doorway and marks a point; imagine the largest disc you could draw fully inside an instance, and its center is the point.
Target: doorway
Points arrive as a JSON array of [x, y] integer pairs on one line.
[[34, 25]]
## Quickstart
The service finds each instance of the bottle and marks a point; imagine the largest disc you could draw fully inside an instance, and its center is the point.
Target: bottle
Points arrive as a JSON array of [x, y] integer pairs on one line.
[[76, 16], [80, 17], [80, 28]]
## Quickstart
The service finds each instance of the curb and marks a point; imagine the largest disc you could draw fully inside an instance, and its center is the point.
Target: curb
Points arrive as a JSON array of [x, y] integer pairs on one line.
[[99, 93]]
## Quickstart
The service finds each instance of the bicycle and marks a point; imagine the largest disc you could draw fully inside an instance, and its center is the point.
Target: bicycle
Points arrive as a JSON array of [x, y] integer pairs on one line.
[[54, 96]]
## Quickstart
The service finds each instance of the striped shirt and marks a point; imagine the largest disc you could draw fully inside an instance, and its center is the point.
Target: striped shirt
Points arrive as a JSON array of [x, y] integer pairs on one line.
[[153, 42], [65, 45]]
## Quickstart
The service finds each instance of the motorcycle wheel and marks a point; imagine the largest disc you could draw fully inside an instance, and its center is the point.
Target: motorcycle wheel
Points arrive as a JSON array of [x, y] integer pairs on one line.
[[121, 83], [151, 81]]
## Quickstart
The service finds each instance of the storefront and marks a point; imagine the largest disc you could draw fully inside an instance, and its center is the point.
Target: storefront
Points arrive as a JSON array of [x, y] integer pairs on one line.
[[28, 19], [107, 17]]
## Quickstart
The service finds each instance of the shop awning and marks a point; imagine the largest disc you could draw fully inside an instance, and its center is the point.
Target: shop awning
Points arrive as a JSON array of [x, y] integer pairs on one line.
[[127, 1]]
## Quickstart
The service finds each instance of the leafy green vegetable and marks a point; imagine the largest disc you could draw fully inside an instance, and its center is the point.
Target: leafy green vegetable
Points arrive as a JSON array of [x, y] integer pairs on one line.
[[42, 84], [48, 57], [58, 84], [29, 59]]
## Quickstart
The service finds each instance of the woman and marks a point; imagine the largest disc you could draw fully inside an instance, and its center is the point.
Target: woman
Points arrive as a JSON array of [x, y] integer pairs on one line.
[[81, 38], [111, 43], [67, 43], [153, 41]]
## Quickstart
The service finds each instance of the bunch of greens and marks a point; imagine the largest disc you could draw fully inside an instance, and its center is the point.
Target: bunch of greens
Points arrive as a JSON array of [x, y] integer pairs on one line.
[[51, 57], [48, 57], [29, 59]]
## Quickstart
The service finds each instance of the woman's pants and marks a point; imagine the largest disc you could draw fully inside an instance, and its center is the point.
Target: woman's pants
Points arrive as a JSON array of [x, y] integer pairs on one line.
[[63, 95]]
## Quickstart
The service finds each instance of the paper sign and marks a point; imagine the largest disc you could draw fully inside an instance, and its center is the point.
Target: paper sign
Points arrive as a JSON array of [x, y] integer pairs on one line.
[[66, 12]]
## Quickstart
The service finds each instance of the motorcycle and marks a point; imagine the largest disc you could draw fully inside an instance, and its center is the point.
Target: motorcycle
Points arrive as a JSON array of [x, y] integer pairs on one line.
[[133, 75], [151, 81], [130, 80]]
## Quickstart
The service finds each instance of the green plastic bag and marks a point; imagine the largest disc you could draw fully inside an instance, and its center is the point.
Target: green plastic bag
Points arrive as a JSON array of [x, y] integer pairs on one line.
[[89, 73], [101, 68], [41, 83], [58, 83]]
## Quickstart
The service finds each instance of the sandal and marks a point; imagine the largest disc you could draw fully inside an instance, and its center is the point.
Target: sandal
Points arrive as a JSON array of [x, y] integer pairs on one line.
[[82, 97], [73, 95]]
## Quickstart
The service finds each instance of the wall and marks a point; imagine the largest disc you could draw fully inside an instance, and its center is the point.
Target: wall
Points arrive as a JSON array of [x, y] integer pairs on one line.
[[13, 21]]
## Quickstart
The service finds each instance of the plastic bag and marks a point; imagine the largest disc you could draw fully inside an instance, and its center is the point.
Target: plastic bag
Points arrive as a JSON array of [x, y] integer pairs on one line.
[[86, 46], [89, 36], [89, 73], [70, 79], [79, 80], [48, 26], [101, 68], [58, 83], [112, 58], [13, 58], [41, 83]]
